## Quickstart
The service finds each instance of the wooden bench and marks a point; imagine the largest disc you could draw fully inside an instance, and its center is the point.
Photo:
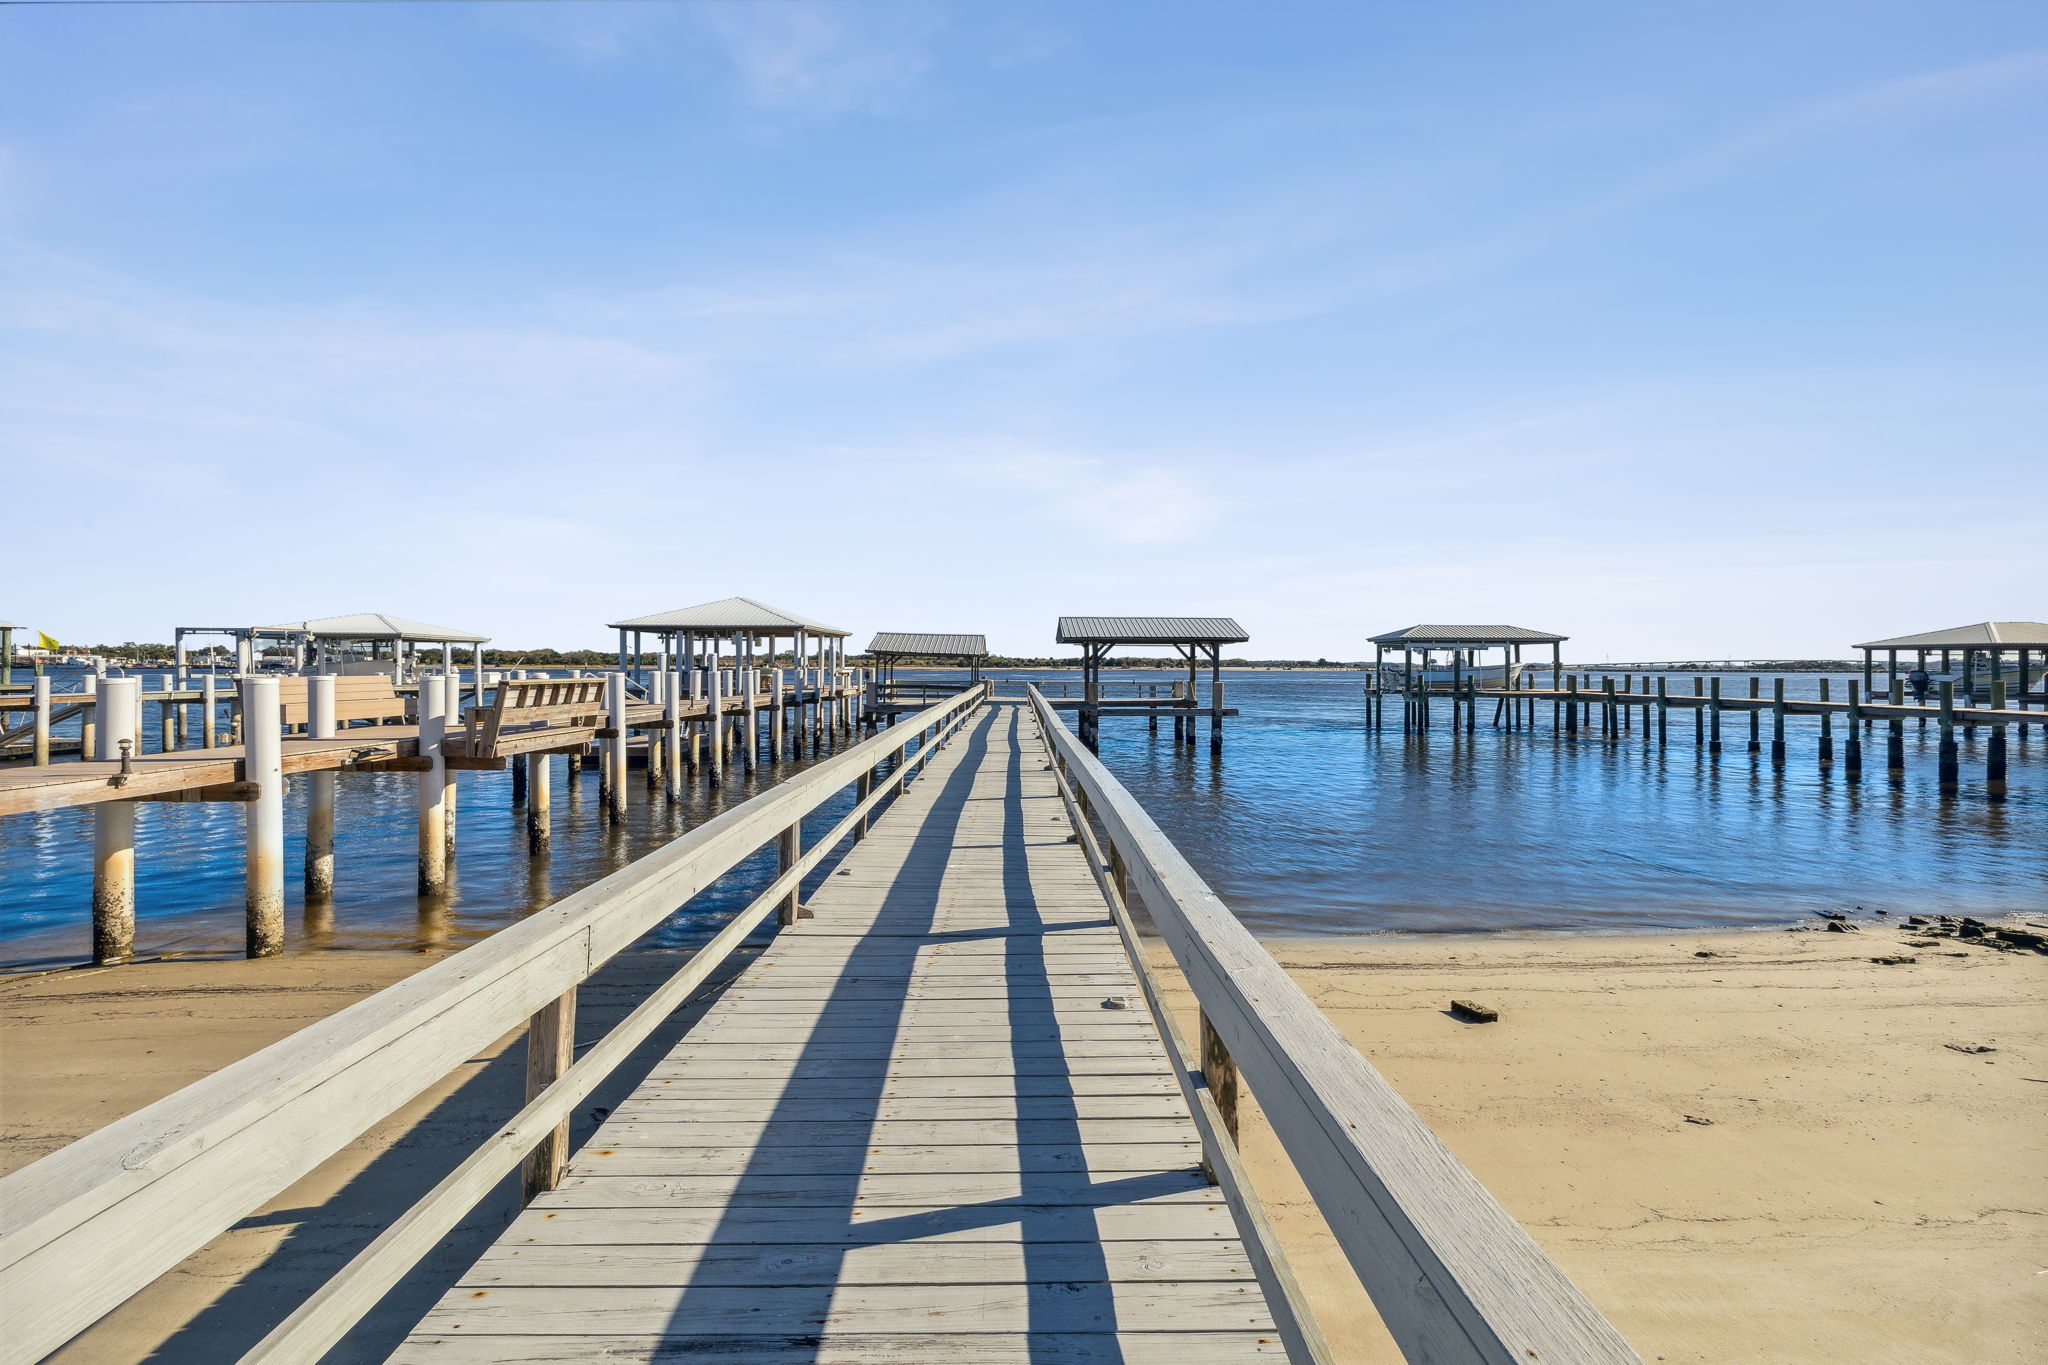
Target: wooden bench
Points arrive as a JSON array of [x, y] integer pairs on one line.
[[526, 709], [361, 698]]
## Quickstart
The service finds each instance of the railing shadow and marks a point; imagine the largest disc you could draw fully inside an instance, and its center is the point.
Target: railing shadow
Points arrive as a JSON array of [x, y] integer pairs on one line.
[[790, 1320], [326, 1234]]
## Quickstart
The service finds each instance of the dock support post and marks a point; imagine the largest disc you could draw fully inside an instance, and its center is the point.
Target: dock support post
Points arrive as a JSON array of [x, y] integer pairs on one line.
[[1895, 750], [539, 817], [657, 683], [433, 787], [1663, 711], [263, 764], [1777, 722], [1852, 742], [1216, 699], [1756, 716], [1610, 713], [165, 741], [550, 1049], [519, 781], [750, 715], [778, 715], [209, 712], [862, 790], [1827, 730], [41, 752], [1714, 716], [714, 720], [1571, 706], [113, 842], [672, 738], [615, 748], [1994, 757], [1947, 771], [88, 718], [320, 724], [1219, 1074]]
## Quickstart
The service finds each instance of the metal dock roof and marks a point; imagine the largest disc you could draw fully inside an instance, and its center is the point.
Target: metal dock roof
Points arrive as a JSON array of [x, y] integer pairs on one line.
[[1983, 635], [1468, 635], [911, 642], [1150, 630], [730, 613]]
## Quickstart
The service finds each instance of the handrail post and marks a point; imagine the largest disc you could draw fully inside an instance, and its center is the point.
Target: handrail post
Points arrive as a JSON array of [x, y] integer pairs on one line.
[[1219, 1073], [862, 790], [550, 1050], [788, 848]]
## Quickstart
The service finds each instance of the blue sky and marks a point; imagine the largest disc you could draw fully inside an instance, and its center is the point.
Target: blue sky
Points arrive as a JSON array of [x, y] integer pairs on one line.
[[1684, 329]]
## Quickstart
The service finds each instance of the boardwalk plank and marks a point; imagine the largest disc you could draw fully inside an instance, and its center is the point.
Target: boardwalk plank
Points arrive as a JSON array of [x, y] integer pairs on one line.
[[927, 1124], [713, 1310]]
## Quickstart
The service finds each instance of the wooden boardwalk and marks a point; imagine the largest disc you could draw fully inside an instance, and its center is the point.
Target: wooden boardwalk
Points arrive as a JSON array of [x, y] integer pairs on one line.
[[932, 1123]]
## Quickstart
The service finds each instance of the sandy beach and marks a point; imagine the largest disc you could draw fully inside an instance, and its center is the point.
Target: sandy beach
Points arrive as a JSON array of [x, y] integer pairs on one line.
[[1858, 1190]]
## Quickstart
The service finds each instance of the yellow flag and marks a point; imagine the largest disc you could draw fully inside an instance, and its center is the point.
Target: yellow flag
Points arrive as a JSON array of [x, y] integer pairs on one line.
[[45, 642]]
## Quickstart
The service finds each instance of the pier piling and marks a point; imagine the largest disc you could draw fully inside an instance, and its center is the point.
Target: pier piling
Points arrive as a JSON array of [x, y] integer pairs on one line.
[[1852, 742], [320, 724], [433, 788], [41, 743], [539, 817], [263, 817], [113, 862], [1827, 730], [1994, 756], [1777, 722], [1948, 774]]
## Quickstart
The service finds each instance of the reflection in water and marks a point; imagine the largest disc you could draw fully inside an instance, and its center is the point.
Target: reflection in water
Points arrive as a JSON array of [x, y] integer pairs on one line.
[[1309, 823]]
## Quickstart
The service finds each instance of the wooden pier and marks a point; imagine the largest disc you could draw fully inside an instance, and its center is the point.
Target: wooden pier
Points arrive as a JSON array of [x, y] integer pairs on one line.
[[684, 724], [1608, 712], [943, 1116]]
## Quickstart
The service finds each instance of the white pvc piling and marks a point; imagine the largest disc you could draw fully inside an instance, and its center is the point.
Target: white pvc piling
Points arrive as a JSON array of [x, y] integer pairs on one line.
[[672, 738], [539, 817], [263, 764], [209, 704], [43, 707], [113, 860], [88, 719], [615, 747], [433, 788], [320, 724], [715, 719]]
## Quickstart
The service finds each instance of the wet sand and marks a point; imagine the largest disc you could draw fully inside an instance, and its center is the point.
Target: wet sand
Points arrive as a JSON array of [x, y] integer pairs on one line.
[[1861, 1192]]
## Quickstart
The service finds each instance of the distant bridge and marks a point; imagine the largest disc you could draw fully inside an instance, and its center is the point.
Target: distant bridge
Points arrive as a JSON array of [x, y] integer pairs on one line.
[[1723, 666]]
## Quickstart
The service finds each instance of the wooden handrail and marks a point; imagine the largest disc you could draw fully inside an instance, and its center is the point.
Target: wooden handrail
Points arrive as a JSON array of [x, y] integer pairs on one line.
[[1455, 1278], [1292, 1321], [91, 1224]]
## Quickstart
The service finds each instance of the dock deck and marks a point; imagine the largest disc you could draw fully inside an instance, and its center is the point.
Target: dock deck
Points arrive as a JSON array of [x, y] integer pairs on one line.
[[933, 1122]]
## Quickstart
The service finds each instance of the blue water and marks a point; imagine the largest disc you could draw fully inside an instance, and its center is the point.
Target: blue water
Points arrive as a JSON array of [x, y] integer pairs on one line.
[[1309, 823]]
